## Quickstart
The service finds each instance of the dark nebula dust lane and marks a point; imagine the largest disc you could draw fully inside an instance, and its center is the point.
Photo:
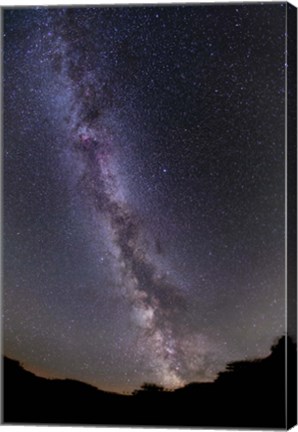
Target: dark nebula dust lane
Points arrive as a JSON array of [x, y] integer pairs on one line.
[[143, 190]]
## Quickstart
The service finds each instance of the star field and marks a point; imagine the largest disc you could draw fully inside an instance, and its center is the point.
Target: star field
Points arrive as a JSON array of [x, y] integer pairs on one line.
[[143, 190]]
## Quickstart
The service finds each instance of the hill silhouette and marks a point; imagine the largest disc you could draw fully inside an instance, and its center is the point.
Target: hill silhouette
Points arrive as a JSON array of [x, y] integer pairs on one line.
[[247, 394]]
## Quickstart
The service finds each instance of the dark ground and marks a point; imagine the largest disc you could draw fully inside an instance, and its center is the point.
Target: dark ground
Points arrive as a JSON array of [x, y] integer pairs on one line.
[[248, 394]]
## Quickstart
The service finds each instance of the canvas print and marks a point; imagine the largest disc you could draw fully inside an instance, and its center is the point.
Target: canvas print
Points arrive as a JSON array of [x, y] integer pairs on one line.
[[149, 217]]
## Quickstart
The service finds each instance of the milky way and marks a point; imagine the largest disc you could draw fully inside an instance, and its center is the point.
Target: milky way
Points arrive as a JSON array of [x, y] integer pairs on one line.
[[154, 301], [144, 190]]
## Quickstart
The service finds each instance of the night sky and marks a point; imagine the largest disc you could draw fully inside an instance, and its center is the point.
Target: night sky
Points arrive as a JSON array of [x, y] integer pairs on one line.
[[143, 190]]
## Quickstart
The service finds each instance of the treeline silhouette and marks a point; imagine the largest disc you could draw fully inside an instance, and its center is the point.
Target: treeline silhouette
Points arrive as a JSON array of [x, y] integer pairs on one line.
[[248, 394]]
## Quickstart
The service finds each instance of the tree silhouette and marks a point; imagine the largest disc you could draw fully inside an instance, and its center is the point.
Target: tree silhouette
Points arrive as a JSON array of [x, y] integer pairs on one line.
[[149, 388]]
